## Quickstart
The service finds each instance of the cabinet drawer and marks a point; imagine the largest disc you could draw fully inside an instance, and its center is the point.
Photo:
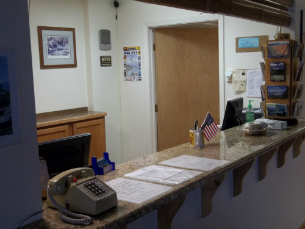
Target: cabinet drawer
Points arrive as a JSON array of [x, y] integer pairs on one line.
[[53, 133]]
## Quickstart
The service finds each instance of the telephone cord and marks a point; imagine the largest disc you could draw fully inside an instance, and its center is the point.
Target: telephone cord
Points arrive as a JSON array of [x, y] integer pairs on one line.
[[77, 218]]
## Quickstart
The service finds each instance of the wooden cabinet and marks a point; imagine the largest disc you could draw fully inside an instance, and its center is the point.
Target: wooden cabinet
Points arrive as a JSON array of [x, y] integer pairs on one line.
[[97, 130], [53, 133], [59, 125]]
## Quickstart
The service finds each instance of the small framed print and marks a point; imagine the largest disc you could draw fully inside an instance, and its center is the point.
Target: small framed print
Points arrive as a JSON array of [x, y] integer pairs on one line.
[[57, 47]]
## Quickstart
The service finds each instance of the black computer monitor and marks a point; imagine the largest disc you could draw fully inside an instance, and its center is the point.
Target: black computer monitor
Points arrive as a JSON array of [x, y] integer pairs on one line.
[[233, 113], [65, 153]]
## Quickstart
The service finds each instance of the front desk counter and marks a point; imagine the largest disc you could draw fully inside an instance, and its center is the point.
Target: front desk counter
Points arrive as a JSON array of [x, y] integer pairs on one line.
[[229, 145]]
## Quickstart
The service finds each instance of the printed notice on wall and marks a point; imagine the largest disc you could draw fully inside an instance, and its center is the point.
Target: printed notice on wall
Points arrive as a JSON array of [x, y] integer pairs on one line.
[[132, 63], [254, 81], [239, 79], [136, 191]]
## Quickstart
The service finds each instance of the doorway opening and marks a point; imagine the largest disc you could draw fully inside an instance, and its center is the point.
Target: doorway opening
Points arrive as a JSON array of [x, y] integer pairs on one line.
[[212, 21]]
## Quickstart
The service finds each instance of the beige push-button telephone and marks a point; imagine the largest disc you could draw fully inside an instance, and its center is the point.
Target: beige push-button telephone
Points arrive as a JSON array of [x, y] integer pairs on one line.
[[78, 190]]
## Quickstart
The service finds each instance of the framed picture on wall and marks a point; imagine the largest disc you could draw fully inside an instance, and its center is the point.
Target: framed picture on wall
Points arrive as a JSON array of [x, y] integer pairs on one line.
[[57, 48], [10, 118]]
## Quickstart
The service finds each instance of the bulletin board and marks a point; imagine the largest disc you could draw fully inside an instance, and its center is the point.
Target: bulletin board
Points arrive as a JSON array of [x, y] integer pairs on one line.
[[250, 44]]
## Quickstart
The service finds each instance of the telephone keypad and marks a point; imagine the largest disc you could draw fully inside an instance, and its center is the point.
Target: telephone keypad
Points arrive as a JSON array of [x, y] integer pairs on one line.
[[96, 189]]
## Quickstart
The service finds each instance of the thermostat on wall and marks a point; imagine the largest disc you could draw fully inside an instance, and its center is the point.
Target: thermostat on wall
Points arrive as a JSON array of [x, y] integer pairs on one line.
[[104, 39]]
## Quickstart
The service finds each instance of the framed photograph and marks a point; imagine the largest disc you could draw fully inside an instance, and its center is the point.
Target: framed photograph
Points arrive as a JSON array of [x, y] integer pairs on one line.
[[10, 118], [57, 48]]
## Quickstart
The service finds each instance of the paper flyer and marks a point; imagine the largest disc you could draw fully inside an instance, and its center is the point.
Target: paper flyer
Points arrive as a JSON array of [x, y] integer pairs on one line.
[[192, 162], [132, 63], [254, 82], [136, 191], [239, 79], [162, 174]]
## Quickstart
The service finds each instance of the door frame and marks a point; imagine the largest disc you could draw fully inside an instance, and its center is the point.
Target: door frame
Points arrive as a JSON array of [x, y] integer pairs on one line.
[[148, 63]]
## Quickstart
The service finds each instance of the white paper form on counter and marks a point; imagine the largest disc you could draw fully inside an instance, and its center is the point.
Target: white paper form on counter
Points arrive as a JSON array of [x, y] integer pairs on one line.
[[162, 174], [136, 191], [197, 163], [254, 82], [239, 80]]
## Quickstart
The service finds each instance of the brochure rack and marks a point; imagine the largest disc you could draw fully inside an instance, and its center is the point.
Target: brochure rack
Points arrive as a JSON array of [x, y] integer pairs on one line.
[[283, 72]]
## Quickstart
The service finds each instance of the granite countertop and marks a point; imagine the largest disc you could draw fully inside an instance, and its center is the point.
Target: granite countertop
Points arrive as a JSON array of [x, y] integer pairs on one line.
[[230, 145]]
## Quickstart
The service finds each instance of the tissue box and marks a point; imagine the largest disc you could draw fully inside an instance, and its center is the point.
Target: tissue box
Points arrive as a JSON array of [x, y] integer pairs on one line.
[[276, 124]]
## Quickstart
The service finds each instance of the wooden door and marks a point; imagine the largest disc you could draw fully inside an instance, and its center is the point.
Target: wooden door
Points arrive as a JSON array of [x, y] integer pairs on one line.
[[53, 133], [97, 130], [187, 81]]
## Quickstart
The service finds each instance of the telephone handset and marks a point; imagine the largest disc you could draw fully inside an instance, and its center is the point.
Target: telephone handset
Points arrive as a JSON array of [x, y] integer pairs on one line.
[[78, 190]]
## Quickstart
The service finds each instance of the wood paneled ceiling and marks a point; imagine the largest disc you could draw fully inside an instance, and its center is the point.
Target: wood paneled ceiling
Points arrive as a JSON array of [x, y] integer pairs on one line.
[[275, 12]]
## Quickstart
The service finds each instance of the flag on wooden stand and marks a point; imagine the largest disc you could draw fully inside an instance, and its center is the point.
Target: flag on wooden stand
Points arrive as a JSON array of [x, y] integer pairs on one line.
[[211, 129]]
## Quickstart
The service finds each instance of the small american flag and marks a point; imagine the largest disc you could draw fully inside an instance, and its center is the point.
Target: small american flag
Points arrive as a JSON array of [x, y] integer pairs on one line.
[[211, 128]]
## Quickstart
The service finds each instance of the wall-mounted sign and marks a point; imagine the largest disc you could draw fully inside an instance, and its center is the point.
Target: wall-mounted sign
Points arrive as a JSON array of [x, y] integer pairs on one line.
[[105, 61], [132, 63]]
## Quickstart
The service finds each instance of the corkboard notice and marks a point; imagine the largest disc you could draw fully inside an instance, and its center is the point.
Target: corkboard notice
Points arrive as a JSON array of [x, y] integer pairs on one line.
[[251, 44]]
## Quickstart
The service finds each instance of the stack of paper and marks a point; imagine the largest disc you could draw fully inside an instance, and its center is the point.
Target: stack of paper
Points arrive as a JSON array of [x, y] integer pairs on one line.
[[163, 174], [197, 163]]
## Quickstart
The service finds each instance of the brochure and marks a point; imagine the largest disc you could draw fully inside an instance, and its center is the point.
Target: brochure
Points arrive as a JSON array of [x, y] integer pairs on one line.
[[262, 87], [277, 71], [298, 74], [298, 92], [262, 106], [297, 110], [263, 52], [277, 110], [298, 52], [278, 49], [277, 92], [262, 64]]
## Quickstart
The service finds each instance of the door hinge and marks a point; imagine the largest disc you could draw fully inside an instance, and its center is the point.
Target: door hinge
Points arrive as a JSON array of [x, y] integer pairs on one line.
[[154, 47], [156, 108]]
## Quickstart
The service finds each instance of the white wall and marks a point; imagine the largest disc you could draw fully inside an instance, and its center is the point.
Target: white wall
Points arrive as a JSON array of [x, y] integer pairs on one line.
[[105, 82], [60, 88], [19, 173]]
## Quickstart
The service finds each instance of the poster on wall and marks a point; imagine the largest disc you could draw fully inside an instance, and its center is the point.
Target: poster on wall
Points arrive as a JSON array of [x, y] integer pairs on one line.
[[10, 123], [132, 63]]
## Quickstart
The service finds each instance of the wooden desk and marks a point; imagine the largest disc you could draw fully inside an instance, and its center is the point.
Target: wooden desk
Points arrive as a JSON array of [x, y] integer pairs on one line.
[[229, 145]]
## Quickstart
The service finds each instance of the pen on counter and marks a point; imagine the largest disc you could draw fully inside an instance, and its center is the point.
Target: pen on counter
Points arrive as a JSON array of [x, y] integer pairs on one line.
[[196, 125]]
